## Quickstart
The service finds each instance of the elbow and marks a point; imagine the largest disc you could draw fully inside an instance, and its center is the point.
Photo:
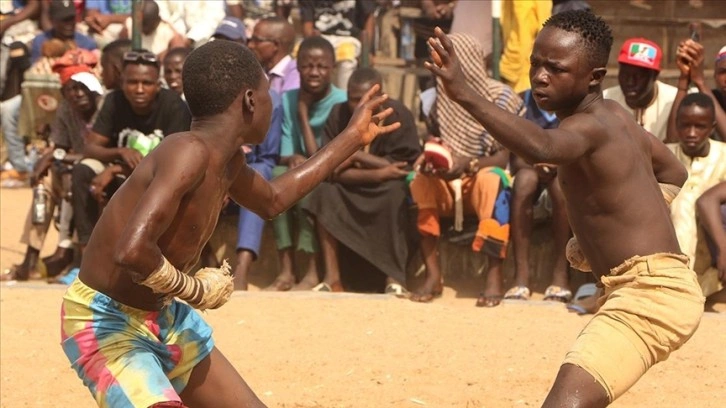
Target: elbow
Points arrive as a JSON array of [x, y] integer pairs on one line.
[[128, 257], [702, 205]]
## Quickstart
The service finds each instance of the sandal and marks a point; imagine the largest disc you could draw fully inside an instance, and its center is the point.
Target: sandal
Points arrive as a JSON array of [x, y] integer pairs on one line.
[[557, 294], [518, 293], [583, 292], [396, 289]]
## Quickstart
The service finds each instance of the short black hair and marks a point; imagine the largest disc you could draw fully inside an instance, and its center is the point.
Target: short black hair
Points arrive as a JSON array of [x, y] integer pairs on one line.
[[365, 75], [180, 51], [594, 31], [215, 74], [699, 99], [114, 51], [316, 43]]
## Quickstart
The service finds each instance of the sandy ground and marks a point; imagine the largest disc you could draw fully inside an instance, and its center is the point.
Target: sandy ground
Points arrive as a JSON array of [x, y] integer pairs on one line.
[[325, 350]]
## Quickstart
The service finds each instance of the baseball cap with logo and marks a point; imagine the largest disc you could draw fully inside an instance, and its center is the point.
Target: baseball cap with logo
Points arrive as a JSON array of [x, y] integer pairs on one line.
[[721, 54], [641, 53], [61, 10], [231, 28]]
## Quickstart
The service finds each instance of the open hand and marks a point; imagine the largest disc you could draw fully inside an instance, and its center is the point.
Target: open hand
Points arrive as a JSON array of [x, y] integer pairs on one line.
[[130, 156], [446, 65], [367, 124], [693, 52]]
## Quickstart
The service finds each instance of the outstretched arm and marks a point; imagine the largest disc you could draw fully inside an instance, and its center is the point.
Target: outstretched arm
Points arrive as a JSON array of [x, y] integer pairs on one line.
[[521, 136], [268, 199]]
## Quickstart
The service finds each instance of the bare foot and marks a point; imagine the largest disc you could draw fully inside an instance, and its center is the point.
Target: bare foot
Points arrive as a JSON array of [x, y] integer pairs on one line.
[[281, 284], [20, 273], [431, 288]]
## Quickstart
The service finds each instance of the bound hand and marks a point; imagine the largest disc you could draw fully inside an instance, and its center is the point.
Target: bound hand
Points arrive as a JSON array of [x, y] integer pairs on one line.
[[446, 65], [695, 54], [99, 184], [367, 125]]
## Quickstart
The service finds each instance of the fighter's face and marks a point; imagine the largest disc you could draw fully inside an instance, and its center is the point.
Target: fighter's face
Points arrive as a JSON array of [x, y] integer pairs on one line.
[[559, 72]]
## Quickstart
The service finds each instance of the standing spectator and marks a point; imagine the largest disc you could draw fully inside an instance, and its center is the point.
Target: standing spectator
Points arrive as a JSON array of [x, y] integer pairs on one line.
[[639, 90], [705, 161], [690, 61], [368, 196], [521, 21], [272, 41], [196, 20], [346, 24], [305, 111], [106, 19], [81, 96], [478, 161], [538, 184], [157, 35], [131, 121]]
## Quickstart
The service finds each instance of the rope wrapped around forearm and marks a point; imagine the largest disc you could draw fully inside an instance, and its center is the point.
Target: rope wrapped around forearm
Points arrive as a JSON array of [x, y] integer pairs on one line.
[[209, 288], [574, 253]]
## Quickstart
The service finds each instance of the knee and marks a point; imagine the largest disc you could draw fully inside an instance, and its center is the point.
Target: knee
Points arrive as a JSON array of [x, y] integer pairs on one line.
[[525, 183]]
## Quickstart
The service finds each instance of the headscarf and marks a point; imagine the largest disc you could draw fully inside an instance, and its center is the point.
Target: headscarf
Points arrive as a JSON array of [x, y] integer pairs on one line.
[[457, 128], [73, 62]]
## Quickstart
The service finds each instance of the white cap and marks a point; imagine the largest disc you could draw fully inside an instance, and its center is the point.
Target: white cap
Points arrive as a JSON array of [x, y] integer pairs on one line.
[[89, 80]]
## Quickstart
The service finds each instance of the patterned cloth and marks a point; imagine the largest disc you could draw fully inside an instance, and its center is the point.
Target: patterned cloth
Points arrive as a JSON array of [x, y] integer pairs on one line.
[[129, 357], [457, 128]]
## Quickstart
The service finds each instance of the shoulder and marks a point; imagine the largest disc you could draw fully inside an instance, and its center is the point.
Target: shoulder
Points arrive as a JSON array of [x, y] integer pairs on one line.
[[186, 148], [399, 108], [170, 100], [718, 146], [290, 96], [337, 95], [84, 41], [667, 92]]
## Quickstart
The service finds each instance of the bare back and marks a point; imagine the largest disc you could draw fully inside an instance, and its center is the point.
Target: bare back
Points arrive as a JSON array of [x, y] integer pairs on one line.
[[614, 202], [181, 242]]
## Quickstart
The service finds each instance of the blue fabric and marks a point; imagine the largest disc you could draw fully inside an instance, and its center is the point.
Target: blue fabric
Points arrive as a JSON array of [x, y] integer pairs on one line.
[[82, 41], [262, 159], [109, 6], [292, 141]]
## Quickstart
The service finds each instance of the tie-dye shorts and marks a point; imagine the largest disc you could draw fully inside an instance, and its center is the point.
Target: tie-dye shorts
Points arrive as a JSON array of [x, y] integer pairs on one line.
[[129, 357]]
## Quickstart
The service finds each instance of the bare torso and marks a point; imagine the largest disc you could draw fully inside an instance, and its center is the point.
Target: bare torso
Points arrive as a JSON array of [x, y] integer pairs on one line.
[[615, 206], [182, 241]]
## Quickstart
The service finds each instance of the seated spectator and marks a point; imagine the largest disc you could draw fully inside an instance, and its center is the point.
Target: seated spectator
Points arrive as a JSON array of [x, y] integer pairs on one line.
[[132, 121], [272, 41], [705, 161], [17, 24], [538, 184], [157, 35], [106, 19], [195, 20], [367, 197], [345, 24], [640, 91], [81, 96], [231, 29], [173, 64], [477, 168], [63, 20], [690, 61], [305, 111], [112, 63], [262, 158], [711, 214]]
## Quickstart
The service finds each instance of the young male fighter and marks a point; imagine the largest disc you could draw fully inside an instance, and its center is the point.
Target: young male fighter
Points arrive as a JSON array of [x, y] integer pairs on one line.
[[609, 171], [128, 338]]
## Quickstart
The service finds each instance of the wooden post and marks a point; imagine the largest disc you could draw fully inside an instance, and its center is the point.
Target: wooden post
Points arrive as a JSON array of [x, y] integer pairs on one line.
[[137, 17], [496, 38]]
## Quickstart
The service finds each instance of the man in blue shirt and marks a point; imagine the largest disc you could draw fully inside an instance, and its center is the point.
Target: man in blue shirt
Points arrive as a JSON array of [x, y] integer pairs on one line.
[[63, 18]]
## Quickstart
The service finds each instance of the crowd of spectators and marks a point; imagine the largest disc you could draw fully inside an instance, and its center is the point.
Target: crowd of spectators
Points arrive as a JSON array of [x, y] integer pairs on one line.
[[385, 204]]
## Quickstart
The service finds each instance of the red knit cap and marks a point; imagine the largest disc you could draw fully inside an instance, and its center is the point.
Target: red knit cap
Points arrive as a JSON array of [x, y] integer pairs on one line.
[[73, 62]]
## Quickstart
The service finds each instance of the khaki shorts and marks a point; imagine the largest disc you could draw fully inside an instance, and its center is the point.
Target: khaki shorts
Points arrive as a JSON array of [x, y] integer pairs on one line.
[[652, 305]]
